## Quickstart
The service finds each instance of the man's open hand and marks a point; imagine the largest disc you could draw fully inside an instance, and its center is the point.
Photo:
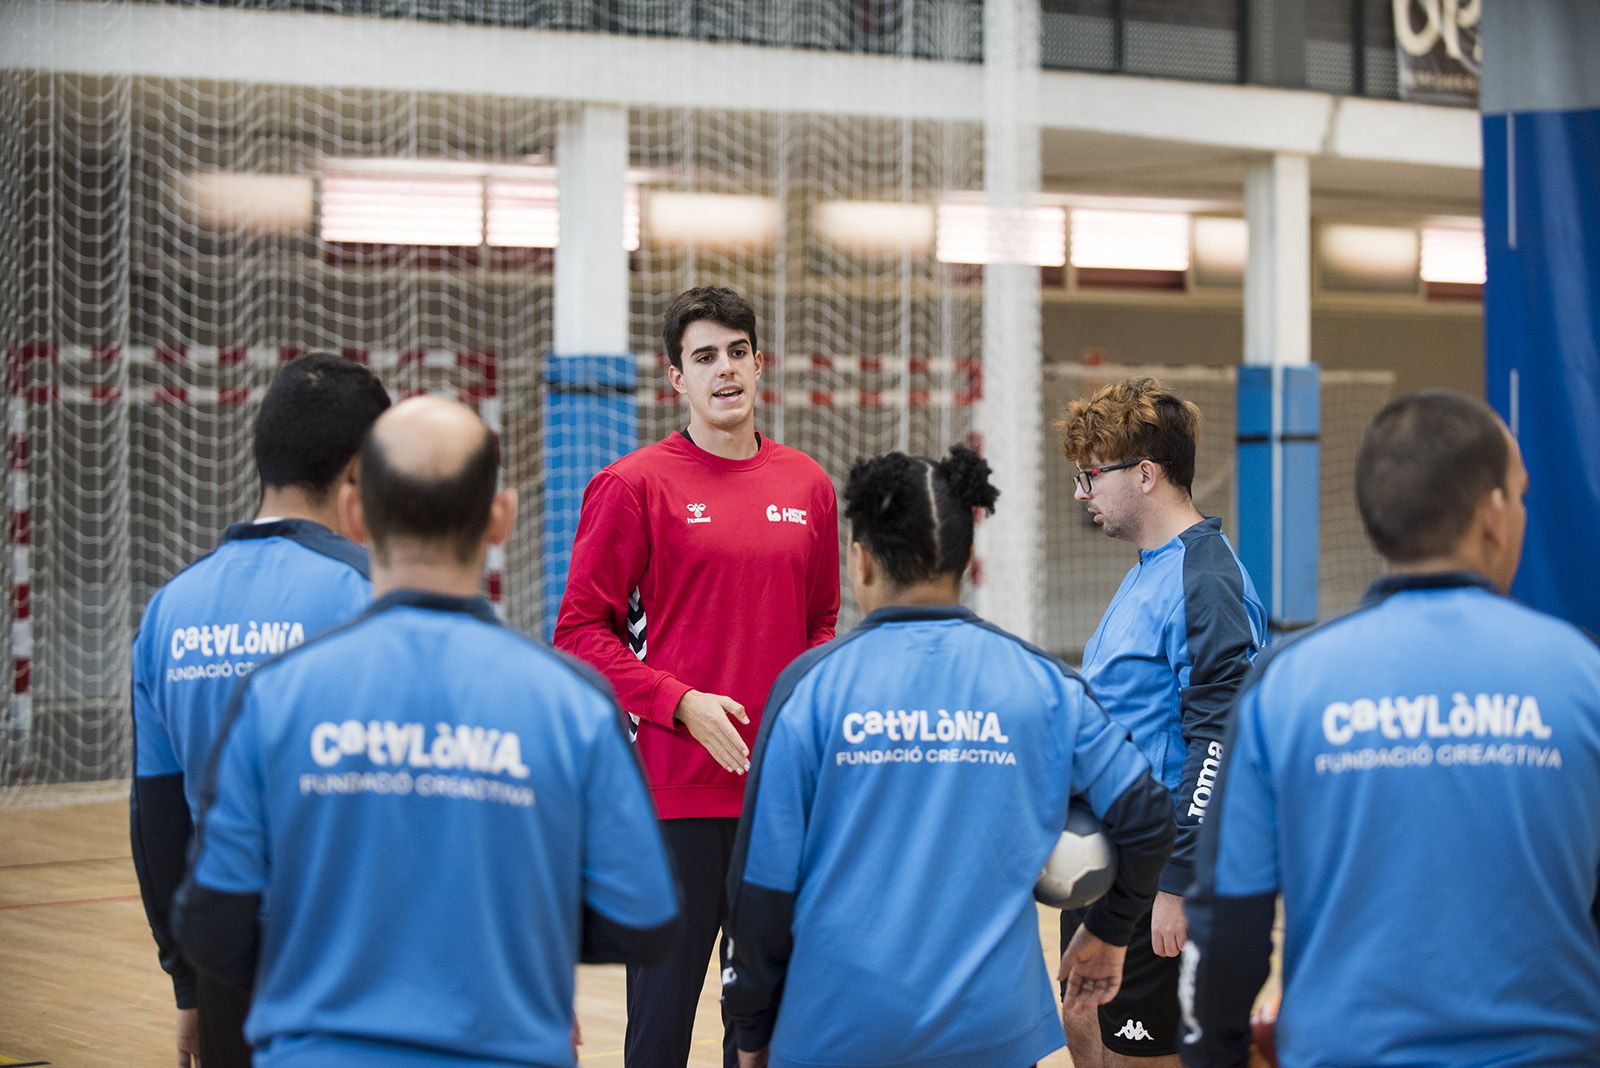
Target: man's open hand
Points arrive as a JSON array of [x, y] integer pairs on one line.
[[1092, 970], [706, 717]]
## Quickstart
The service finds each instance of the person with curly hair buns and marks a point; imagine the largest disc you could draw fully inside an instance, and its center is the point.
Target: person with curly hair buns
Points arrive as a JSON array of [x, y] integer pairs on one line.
[[907, 785]]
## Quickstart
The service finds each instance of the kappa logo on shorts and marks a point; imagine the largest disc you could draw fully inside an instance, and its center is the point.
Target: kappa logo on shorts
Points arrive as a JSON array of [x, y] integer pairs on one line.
[[697, 513], [1134, 1031]]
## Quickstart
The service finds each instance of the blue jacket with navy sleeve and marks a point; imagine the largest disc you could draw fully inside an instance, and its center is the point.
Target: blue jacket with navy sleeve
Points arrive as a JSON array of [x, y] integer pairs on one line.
[[268, 587], [1168, 658], [908, 783], [413, 828], [1420, 781]]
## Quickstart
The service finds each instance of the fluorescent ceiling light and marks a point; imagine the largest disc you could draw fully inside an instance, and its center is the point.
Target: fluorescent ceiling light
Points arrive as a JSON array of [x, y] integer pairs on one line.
[[1130, 240], [1371, 258], [713, 219], [977, 233], [526, 213], [261, 203], [397, 209], [875, 226], [1221, 248], [452, 204], [1451, 254], [523, 214]]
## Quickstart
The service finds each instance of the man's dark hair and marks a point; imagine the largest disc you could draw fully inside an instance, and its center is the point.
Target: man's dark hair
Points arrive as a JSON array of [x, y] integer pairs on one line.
[[312, 420], [1426, 462], [716, 303], [450, 508], [915, 514]]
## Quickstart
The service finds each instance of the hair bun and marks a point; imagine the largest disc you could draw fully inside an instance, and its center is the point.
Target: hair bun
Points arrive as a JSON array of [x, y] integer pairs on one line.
[[968, 475]]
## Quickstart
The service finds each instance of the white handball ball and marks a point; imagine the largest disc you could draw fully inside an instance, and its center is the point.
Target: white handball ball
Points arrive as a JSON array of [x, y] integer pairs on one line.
[[1081, 867]]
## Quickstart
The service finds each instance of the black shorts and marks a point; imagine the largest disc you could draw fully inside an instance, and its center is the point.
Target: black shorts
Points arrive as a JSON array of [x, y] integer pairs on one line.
[[1142, 1020]]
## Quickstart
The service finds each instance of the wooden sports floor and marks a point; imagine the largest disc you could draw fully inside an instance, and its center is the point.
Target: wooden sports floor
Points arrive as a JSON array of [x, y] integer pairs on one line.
[[81, 987]]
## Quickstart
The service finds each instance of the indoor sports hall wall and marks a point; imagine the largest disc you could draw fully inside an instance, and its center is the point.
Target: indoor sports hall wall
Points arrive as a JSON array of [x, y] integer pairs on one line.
[[165, 243]]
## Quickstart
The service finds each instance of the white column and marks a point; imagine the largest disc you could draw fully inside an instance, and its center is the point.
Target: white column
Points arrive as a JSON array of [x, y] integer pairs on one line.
[[1277, 276], [591, 276], [1009, 417], [1279, 522]]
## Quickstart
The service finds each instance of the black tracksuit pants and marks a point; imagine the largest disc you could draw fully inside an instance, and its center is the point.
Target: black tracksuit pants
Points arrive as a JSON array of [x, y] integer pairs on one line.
[[662, 997]]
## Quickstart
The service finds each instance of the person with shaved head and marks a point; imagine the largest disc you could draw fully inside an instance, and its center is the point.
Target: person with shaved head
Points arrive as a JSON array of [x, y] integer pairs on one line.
[[415, 826]]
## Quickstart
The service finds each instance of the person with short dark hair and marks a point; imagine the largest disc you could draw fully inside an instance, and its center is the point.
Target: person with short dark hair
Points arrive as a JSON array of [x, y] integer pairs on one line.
[[909, 782], [702, 565], [1418, 780], [1165, 661], [271, 584], [416, 825]]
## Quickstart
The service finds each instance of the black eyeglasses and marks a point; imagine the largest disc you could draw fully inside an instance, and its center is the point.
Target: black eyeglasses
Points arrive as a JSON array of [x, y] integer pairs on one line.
[[1086, 475]]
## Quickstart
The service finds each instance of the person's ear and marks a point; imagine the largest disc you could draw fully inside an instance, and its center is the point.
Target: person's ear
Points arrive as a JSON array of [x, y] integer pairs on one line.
[[1149, 476], [675, 379], [352, 521], [502, 517], [761, 361]]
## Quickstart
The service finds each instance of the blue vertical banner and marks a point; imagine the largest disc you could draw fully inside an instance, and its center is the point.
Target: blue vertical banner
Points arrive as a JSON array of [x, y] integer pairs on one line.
[[590, 419], [1541, 223], [1278, 420]]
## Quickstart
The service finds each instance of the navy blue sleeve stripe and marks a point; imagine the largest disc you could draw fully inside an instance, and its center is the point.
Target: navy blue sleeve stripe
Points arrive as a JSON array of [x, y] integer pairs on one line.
[[160, 830], [1221, 645], [605, 941], [1139, 824], [1217, 950], [1219, 989], [219, 931], [326, 543]]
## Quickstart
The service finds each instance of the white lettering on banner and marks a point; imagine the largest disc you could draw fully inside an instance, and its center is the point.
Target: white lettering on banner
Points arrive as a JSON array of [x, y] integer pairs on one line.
[[786, 515], [386, 743], [252, 638], [1397, 718]]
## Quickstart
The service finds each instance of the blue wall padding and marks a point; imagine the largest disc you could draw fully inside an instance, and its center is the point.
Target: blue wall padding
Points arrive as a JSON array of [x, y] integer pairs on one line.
[[590, 419], [1295, 604], [1541, 233]]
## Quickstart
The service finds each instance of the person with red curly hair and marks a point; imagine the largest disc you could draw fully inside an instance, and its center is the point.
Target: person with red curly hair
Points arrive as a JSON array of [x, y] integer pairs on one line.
[[1166, 661]]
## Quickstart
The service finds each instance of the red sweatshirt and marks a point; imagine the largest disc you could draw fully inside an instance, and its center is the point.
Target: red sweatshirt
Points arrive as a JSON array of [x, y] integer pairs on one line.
[[690, 571]]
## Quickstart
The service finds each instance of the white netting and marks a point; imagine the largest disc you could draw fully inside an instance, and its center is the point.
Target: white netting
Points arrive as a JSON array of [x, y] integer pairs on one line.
[[148, 295], [162, 248]]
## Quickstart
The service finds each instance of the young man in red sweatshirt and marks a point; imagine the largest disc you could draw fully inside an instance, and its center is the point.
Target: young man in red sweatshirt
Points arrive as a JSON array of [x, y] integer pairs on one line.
[[702, 566]]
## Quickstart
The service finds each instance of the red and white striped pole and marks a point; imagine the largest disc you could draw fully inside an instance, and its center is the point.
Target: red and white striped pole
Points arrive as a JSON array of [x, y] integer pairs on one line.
[[19, 498]]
